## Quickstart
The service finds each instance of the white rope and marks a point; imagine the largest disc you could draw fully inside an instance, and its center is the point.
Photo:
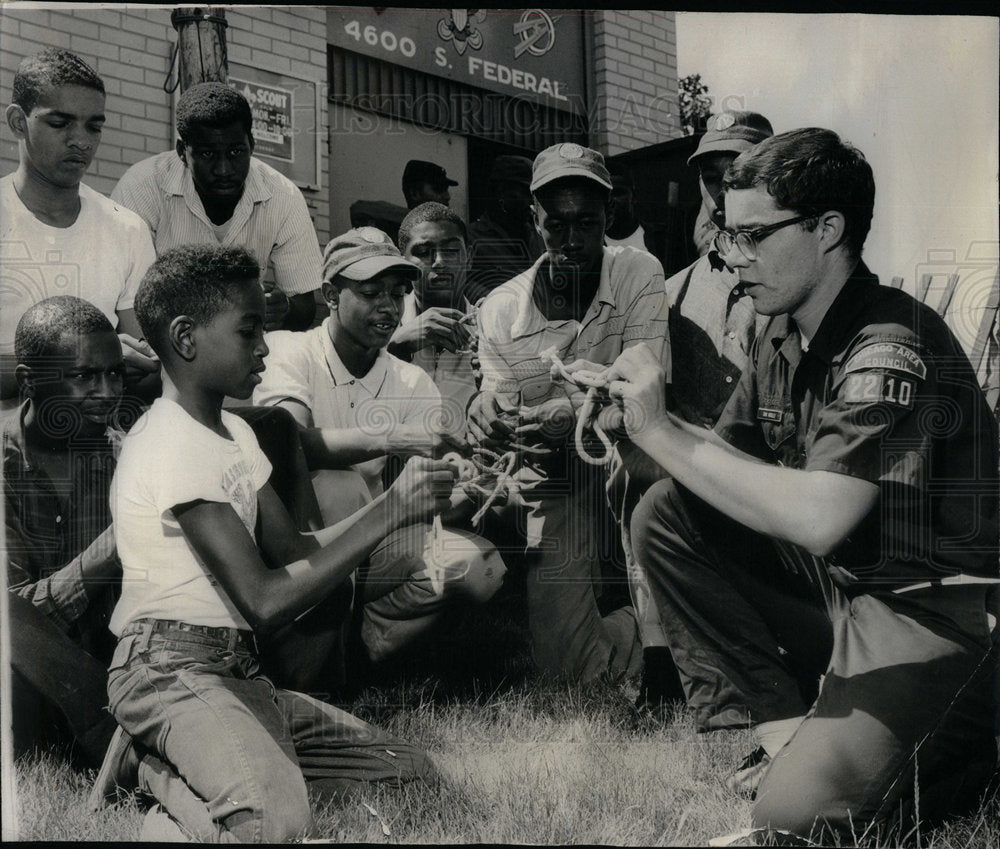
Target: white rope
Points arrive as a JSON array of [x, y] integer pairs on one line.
[[472, 471], [596, 385]]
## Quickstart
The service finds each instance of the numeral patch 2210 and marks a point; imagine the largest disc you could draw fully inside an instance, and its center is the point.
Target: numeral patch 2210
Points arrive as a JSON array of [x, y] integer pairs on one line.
[[873, 387]]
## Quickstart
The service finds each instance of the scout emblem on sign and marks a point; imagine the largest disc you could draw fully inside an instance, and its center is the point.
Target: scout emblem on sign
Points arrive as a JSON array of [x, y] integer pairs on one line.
[[459, 29], [537, 32]]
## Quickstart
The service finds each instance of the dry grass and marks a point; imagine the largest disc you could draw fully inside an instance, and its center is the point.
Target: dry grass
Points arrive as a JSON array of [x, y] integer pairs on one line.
[[523, 761]]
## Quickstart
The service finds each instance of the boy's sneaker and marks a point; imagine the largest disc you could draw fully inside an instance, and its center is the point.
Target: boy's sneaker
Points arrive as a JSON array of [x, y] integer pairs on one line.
[[118, 775], [749, 774]]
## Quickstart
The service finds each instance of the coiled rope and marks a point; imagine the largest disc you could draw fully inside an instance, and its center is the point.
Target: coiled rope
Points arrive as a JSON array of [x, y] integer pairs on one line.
[[597, 395]]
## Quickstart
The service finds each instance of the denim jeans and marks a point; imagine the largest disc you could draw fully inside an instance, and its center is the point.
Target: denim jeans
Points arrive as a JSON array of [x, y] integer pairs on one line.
[[236, 751]]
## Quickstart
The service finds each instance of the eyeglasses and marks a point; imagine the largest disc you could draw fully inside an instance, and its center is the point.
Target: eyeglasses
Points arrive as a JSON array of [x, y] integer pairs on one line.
[[747, 240]]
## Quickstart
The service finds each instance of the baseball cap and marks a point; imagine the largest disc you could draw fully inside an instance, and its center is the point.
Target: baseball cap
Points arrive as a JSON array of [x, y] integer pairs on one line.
[[421, 171], [362, 253], [569, 160], [733, 132], [511, 169]]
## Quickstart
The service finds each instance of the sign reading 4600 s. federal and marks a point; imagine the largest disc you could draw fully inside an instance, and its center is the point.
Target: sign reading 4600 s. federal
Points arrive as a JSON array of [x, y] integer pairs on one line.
[[536, 53]]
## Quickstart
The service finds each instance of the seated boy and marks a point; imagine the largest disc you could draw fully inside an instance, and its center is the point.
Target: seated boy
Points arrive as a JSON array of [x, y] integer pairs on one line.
[[58, 458], [434, 332], [198, 528], [357, 404]]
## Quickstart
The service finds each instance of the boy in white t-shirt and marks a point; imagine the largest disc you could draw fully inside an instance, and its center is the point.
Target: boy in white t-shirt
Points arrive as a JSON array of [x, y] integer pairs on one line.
[[198, 528], [57, 236]]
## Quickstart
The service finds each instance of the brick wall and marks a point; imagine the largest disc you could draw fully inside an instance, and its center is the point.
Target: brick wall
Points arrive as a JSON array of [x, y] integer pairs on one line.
[[635, 79], [131, 49]]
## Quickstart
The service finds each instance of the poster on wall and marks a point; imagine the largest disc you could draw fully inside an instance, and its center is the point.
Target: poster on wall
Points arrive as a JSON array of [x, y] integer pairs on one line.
[[273, 125], [287, 125]]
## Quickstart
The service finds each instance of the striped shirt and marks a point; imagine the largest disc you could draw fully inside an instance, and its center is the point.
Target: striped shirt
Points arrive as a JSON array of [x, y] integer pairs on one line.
[[630, 307], [271, 219]]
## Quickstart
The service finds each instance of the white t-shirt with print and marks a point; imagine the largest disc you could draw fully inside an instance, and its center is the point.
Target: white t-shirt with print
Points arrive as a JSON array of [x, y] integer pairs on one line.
[[167, 459], [100, 258]]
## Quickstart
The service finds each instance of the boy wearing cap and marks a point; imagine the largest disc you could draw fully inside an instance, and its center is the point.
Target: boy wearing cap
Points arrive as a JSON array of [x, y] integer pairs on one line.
[[503, 241], [426, 181], [588, 302], [712, 326], [355, 404]]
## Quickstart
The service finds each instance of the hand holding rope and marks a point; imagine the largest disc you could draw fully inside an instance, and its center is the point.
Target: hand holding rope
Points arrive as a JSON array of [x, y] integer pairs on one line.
[[596, 386]]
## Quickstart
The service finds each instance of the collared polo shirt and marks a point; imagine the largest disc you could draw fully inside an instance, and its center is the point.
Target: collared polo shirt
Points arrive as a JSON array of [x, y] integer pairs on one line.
[[884, 393], [49, 523], [271, 219], [630, 306], [305, 367]]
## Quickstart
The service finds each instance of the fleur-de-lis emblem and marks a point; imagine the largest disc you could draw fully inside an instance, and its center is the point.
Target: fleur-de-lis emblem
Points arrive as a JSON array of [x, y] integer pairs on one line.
[[459, 30]]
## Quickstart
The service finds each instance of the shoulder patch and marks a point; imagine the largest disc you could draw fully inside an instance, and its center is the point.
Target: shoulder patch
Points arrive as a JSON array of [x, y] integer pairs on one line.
[[887, 356]]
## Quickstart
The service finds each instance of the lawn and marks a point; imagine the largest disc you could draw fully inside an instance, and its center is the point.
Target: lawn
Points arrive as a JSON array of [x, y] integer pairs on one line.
[[523, 760]]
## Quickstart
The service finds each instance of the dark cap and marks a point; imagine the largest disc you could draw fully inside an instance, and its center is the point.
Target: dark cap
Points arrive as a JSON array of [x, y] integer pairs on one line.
[[733, 132], [362, 253], [569, 160], [421, 171], [511, 169]]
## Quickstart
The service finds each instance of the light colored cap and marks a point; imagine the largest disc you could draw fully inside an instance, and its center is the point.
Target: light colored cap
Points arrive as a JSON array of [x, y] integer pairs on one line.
[[362, 253]]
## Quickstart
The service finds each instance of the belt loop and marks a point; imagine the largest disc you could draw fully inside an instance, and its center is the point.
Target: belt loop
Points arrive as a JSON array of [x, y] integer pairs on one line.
[[234, 639], [146, 631]]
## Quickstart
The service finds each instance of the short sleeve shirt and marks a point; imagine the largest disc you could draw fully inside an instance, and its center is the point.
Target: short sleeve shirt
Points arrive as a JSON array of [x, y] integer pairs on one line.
[[169, 459], [630, 307], [271, 219], [305, 367], [100, 258], [884, 393]]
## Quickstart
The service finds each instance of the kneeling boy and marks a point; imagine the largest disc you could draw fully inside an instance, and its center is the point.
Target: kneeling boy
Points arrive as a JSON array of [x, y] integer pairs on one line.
[[198, 527]]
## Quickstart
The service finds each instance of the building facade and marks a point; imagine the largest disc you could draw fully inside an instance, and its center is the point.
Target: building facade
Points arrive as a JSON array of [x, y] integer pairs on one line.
[[344, 96]]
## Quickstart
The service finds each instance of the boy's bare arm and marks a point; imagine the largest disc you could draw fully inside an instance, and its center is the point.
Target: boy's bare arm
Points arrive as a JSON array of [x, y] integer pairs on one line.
[[338, 448], [270, 598]]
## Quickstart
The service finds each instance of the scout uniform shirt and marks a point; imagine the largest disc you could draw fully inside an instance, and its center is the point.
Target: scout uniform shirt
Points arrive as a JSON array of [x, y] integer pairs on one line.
[[884, 393]]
